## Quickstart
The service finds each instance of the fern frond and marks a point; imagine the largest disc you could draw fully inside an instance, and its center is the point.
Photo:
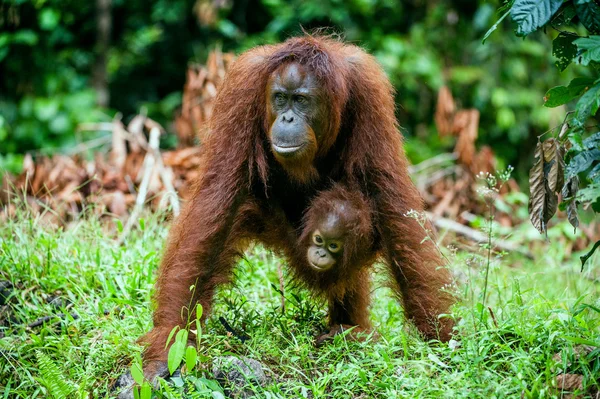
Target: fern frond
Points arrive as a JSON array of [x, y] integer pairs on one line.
[[52, 377]]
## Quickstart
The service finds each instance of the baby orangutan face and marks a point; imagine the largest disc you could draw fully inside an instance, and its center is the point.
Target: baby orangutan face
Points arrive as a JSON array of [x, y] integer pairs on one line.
[[327, 244]]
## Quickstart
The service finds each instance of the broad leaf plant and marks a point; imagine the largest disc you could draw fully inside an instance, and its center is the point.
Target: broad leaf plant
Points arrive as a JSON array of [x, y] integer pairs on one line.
[[574, 151]]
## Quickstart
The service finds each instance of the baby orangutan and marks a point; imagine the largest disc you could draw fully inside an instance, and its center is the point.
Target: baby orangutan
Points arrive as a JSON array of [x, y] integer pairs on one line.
[[340, 229], [338, 240]]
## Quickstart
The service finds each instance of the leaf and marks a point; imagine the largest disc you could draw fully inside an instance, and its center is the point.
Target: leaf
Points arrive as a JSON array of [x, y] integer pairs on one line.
[[557, 96], [546, 179], [564, 50], [589, 14], [173, 331], [592, 142], [554, 165], [177, 351], [146, 391], [190, 358], [569, 192], [437, 360], [589, 48], [560, 95], [137, 373], [578, 86], [594, 175], [582, 161], [587, 105], [564, 15], [530, 15], [589, 194], [585, 257], [537, 191]]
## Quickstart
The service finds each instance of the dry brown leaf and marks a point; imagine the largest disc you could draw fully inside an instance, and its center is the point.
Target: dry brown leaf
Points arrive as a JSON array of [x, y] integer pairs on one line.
[[465, 145], [537, 191], [544, 179], [554, 164], [569, 192], [484, 161], [444, 112], [199, 92]]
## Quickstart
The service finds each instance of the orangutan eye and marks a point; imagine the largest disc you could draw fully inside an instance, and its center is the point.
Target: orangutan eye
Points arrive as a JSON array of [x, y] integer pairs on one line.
[[279, 98], [318, 239], [301, 99], [333, 247]]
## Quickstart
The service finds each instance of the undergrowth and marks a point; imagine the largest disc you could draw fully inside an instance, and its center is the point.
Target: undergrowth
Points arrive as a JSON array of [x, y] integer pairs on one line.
[[78, 303]]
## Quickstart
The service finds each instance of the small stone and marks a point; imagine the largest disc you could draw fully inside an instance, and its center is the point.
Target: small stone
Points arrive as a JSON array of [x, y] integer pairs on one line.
[[239, 371]]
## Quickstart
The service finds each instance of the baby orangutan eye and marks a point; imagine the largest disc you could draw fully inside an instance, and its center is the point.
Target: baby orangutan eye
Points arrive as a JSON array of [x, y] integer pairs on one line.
[[333, 247], [317, 239]]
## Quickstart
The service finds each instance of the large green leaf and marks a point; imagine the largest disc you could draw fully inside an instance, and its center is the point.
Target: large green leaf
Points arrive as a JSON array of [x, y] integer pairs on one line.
[[587, 105], [564, 50], [560, 95], [530, 15], [564, 16], [594, 174], [557, 96], [582, 162], [578, 86], [589, 194], [589, 47], [592, 142], [177, 351], [589, 14]]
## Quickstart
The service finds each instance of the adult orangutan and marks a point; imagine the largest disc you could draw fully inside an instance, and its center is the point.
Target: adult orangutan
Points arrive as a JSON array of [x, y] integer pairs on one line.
[[290, 122]]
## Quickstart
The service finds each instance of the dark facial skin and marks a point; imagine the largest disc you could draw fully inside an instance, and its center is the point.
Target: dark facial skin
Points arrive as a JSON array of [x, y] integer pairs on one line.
[[297, 113], [327, 243]]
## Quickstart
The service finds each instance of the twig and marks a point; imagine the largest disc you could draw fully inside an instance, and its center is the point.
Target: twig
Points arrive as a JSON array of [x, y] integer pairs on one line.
[[434, 177], [95, 127], [162, 171], [86, 145], [148, 168], [474, 235], [45, 319], [433, 161], [242, 336]]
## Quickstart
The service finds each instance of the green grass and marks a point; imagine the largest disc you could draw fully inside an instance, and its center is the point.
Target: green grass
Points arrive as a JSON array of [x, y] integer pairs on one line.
[[540, 307]]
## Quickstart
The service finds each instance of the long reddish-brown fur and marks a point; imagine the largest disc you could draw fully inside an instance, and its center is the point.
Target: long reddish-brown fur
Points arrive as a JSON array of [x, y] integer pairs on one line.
[[244, 194]]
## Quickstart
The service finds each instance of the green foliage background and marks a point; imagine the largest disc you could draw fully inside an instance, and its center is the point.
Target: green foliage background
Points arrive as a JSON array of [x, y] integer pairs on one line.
[[47, 51]]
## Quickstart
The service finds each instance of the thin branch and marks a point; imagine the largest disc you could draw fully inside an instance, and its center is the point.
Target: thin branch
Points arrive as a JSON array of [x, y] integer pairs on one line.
[[148, 168], [474, 235]]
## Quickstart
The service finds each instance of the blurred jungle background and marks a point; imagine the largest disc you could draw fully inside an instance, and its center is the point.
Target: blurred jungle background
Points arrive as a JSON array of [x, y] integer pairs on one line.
[[103, 108]]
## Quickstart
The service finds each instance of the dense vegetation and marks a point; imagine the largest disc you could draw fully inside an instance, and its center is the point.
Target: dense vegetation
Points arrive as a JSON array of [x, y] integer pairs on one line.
[[422, 45]]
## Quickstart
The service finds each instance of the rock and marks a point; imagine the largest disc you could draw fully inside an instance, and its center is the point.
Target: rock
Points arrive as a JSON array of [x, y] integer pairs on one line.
[[125, 382], [6, 288], [239, 371]]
